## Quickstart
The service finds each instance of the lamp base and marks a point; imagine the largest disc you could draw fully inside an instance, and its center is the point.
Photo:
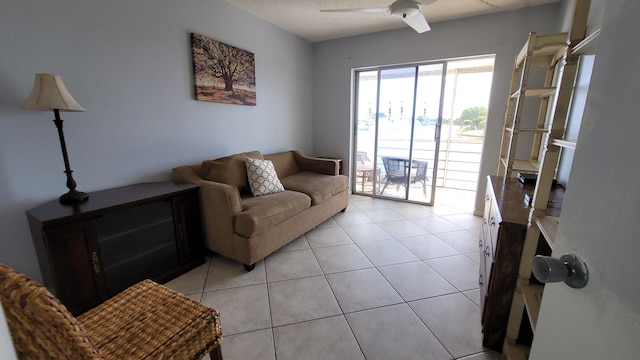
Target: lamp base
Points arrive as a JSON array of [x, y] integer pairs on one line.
[[73, 196]]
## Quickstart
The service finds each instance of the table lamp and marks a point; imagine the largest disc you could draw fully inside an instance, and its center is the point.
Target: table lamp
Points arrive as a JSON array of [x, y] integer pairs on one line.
[[49, 93]]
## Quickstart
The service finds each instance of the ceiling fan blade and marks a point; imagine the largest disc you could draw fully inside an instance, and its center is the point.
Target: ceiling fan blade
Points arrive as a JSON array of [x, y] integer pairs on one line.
[[384, 9], [417, 22]]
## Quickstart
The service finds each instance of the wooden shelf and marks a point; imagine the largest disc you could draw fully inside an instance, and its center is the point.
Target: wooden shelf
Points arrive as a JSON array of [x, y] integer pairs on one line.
[[524, 166], [532, 298], [124, 233], [133, 255], [548, 226], [538, 50], [546, 45], [528, 130], [536, 92], [534, 130]]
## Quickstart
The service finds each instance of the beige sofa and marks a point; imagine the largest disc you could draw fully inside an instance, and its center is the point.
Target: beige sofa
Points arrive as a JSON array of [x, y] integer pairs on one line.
[[245, 228]]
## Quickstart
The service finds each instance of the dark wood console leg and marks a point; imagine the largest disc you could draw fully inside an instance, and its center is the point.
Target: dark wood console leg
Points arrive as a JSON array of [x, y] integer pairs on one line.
[[249, 267]]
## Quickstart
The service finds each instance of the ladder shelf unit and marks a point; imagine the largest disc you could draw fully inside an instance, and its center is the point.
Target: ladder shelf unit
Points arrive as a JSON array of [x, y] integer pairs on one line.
[[539, 51], [559, 53], [528, 296]]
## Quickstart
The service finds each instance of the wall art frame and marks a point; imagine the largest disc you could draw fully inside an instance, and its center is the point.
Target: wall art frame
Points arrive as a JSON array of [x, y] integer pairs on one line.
[[222, 72]]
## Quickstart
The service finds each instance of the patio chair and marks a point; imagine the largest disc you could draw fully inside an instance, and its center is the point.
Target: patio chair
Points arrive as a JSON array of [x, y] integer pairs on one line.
[[397, 171], [365, 171], [363, 158], [145, 321], [421, 174]]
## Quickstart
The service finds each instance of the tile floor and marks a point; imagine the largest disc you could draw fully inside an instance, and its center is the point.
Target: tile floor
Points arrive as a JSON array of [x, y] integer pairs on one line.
[[384, 280]]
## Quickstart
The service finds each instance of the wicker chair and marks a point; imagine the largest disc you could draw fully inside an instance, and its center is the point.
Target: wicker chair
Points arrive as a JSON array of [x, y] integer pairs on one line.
[[145, 321]]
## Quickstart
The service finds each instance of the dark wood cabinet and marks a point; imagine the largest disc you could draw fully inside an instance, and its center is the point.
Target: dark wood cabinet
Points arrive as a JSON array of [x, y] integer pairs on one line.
[[73, 256], [186, 217], [90, 251], [504, 227]]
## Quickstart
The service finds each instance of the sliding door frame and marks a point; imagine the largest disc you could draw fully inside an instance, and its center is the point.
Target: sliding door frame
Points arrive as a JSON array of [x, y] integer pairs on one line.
[[355, 122]]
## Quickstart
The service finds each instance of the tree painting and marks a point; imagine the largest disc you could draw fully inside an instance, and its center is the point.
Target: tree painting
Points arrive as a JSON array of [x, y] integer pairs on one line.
[[223, 73]]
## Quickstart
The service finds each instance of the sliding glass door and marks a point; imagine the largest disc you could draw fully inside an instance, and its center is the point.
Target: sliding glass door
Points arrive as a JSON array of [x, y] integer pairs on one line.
[[398, 112]]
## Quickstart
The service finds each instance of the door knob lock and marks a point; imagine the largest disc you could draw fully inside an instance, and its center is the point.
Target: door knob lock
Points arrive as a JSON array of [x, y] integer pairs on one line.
[[569, 268]]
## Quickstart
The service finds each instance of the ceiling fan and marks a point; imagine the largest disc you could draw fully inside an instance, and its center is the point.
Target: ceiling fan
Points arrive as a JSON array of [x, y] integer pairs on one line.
[[407, 10]]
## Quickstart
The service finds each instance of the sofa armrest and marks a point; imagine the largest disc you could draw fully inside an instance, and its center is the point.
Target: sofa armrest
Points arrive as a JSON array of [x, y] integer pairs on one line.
[[219, 194], [317, 165], [219, 205]]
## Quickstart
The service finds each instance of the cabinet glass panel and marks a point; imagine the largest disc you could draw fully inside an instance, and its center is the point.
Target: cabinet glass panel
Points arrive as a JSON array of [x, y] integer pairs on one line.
[[137, 243]]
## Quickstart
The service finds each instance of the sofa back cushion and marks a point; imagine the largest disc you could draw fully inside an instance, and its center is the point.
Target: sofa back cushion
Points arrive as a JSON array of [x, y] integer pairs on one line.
[[230, 170], [284, 163]]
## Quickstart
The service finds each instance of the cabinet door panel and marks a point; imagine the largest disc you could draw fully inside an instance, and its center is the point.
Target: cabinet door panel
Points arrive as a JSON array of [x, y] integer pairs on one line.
[[137, 243], [485, 268], [494, 225], [485, 241], [76, 265], [186, 214]]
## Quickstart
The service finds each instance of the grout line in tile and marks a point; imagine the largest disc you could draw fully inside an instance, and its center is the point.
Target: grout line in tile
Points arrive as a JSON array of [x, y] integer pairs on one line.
[[431, 331], [343, 313]]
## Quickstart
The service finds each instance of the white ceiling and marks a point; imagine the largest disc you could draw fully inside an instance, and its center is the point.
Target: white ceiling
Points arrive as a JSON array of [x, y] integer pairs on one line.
[[303, 17]]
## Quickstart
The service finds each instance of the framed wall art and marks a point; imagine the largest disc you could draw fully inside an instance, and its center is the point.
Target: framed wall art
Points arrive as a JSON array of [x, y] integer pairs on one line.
[[222, 73]]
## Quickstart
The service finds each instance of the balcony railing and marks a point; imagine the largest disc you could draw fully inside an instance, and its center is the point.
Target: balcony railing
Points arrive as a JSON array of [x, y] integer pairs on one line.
[[459, 164]]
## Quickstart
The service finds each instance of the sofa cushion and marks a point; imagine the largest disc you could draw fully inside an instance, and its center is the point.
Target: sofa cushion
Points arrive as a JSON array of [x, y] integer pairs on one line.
[[230, 170], [262, 213], [318, 186], [284, 162], [262, 177]]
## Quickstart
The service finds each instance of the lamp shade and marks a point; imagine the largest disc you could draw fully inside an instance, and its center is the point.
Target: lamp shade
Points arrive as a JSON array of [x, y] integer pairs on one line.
[[49, 93]]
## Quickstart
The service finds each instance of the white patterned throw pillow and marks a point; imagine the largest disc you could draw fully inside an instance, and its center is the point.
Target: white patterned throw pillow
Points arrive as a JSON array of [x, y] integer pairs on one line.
[[262, 177]]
